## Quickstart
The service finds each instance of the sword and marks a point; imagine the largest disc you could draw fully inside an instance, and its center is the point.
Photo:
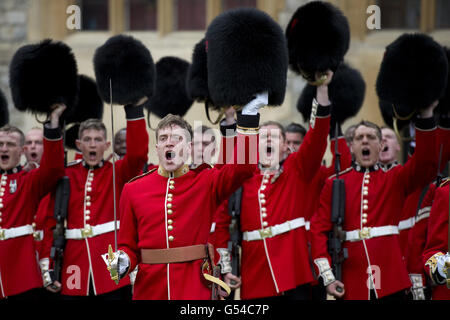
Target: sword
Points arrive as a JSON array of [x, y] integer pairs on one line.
[[112, 269]]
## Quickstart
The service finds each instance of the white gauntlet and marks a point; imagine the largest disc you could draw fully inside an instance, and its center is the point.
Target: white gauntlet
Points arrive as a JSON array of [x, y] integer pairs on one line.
[[120, 263], [417, 288], [325, 271], [252, 108], [44, 264], [225, 260]]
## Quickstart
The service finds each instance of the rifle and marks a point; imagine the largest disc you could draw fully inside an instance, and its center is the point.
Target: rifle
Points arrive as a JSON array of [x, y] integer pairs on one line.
[[335, 239], [234, 209], [60, 214]]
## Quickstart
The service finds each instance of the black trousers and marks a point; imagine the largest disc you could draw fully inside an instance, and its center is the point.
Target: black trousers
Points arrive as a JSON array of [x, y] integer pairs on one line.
[[302, 292], [124, 293], [30, 295], [398, 296]]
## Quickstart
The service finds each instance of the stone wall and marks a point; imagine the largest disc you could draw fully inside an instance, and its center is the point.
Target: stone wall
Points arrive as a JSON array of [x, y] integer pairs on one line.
[[13, 33]]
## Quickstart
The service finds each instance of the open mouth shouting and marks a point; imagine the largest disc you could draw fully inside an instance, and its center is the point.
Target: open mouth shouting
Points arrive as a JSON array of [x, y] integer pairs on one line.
[[385, 149], [4, 158], [366, 153], [34, 156], [92, 156], [170, 155]]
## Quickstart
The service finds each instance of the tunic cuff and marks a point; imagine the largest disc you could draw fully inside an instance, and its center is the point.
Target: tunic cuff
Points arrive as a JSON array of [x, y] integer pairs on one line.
[[228, 130], [52, 133], [247, 124], [325, 271], [134, 113], [425, 124]]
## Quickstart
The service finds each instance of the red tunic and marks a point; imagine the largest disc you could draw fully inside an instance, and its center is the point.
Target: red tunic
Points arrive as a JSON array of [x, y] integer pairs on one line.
[[407, 219], [19, 271], [280, 263], [374, 198], [44, 225], [82, 260], [151, 219], [437, 235], [418, 236]]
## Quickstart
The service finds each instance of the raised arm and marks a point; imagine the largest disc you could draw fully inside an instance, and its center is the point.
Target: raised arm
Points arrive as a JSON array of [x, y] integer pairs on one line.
[[309, 156], [51, 168], [421, 168], [137, 145]]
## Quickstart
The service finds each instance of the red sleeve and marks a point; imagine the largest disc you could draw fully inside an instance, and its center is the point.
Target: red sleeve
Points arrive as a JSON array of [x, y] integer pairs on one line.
[[51, 168], [309, 156], [418, 235], [222, 219], [321, 225], [128, 237], [421, 168], [444, 141], [437, 236], [137, 149], [244, 161]]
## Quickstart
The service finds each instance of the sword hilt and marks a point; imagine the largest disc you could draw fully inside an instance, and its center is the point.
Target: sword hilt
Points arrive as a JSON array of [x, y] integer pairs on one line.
[[112, 270]]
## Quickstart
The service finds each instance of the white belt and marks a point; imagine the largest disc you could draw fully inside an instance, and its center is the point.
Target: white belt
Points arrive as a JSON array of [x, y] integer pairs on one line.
[[307, 225], [91, 231], [10, 233], [406, 224], [367, 233], [273, 231]]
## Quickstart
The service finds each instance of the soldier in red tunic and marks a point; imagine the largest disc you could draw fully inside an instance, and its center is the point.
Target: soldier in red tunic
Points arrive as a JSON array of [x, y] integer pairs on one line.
[[43, 223], [167, 213], [20, 194], [274, 247], [90, 217], [373, 203], [435, 255]]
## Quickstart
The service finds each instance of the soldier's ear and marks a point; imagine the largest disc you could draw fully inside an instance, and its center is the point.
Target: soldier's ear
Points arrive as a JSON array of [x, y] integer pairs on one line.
[[78, 144]]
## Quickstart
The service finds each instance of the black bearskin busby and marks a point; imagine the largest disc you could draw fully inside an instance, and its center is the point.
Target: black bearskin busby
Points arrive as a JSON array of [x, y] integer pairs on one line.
[[197, 78], [89, 104], [170, 94], [71, 135], [387, 113], [444, 102], [318, 37], [43, 74], [247, 54], [346, 91], [129, 65], [4, 111], [413, 74]]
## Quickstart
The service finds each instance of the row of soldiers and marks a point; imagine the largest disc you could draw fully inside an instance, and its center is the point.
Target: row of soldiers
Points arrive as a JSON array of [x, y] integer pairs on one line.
[[284, 214]]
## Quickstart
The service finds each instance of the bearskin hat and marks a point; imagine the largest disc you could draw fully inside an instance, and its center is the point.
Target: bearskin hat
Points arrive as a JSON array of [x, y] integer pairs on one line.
[[346, 90], [4, 111], [388, 116], [89, 104], [71, 135], [318, 37], [129, 65], [413, 74], [197, 77], [444, 102], [247, 54], [170, 89], [43, 74]]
